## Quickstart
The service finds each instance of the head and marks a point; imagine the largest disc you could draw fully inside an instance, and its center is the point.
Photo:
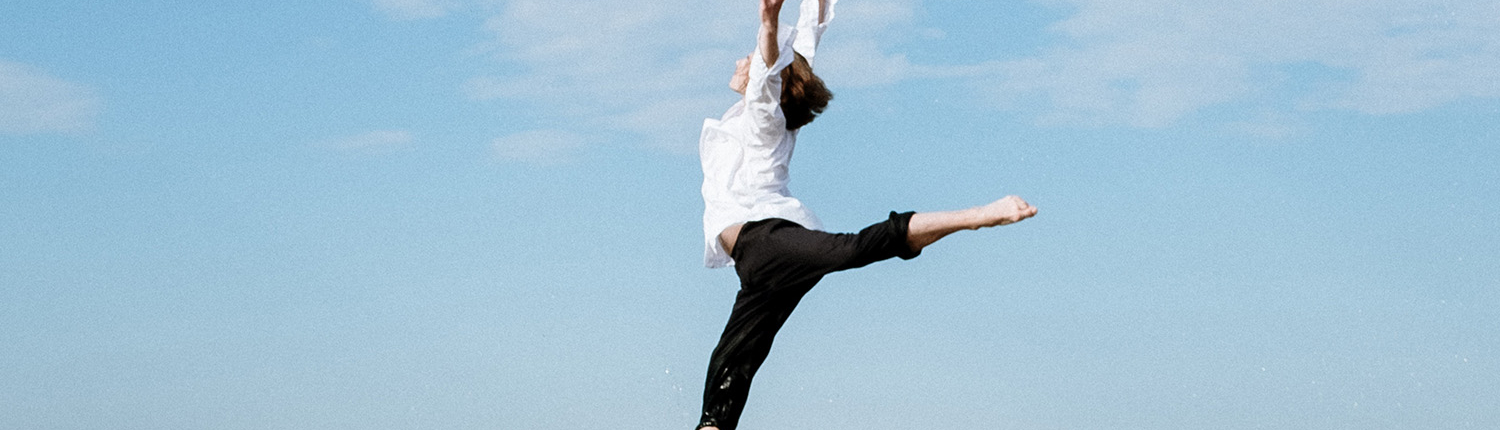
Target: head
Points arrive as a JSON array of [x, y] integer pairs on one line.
[[803, 95], [741, 75]]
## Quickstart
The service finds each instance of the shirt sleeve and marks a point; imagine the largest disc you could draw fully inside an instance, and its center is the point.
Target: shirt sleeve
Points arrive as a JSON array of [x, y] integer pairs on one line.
[[763, 92], [809, 30]]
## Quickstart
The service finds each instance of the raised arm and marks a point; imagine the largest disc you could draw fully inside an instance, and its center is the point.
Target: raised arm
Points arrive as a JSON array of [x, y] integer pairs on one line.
[[812, 21], [763, 86], [770, 22]]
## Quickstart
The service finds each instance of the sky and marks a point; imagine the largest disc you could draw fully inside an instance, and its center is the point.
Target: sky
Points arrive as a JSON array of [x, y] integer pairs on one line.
[[466, 214]]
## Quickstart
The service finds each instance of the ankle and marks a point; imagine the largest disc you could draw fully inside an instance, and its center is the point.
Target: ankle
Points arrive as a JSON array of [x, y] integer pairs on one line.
[[976, 218]]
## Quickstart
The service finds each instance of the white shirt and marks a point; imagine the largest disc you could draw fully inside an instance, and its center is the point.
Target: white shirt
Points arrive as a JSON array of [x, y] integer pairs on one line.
[[745, 154]]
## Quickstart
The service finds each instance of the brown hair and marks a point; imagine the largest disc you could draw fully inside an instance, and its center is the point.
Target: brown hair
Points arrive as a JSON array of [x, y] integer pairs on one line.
[[803, 95]]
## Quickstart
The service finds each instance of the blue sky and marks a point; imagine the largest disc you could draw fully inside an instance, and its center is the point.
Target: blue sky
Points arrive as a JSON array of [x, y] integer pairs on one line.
[[400, 214]]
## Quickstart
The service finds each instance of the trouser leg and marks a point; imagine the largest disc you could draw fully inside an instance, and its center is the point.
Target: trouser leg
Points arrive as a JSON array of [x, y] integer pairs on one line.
[[778, 262], [758, 314]]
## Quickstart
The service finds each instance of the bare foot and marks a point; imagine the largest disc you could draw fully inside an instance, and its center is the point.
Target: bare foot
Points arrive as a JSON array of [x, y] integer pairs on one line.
[[1008, 210]]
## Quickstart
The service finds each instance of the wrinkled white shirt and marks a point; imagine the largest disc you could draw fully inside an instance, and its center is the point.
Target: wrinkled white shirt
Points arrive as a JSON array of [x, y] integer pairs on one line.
[[745, 154]]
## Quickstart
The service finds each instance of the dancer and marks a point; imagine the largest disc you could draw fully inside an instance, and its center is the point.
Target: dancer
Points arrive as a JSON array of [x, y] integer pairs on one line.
[[751, 221]]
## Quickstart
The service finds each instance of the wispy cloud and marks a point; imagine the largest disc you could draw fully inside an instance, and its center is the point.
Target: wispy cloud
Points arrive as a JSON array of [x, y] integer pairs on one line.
[[1150, 63], [374, 142], [31, 102], [862, 57], [653, 70], [407, 10], [542, 147]]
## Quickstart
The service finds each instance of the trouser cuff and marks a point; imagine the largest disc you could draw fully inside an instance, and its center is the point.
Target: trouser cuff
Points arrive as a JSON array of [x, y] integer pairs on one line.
[[901, 226]]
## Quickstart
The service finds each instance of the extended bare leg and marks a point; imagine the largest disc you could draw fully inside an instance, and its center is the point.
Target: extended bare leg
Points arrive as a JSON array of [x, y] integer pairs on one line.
[[927, 227]]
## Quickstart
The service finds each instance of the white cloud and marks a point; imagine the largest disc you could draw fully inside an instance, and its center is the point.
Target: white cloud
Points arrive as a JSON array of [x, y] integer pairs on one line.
[[871, 17], [1149, 63], [380, 141], [542, 147], [607, 69], [1266, 126], [861, 63], [32, 101], [407, 10], [860, 57], [650, 69]]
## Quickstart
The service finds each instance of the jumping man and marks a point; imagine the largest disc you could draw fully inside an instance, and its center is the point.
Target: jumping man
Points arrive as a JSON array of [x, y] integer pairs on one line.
[[752, 222]]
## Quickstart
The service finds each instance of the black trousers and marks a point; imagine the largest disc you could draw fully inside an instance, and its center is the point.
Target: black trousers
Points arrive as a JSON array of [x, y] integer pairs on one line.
[[779, 261]]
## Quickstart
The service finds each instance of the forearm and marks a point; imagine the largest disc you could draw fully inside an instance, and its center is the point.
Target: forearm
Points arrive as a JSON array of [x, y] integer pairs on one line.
[[770, 23]]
